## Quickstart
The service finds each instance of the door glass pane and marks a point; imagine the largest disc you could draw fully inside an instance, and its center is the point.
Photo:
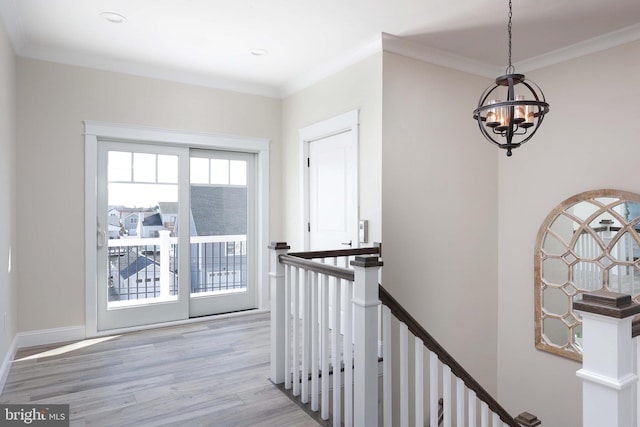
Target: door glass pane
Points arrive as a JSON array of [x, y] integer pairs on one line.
[[218, 232], [142, 191], [144, 167], [167, 169], [238, 172], [119, 165], [199, 170], [219, 171]]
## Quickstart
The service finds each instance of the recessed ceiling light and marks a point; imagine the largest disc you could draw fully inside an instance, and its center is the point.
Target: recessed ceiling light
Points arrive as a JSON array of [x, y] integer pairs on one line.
[[113, 17], [259, 52]]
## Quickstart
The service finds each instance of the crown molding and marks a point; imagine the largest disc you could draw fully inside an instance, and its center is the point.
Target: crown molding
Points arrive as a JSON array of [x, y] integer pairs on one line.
[[92, 61], [401, 46], [422, 52], [326, 70], [586, 47]]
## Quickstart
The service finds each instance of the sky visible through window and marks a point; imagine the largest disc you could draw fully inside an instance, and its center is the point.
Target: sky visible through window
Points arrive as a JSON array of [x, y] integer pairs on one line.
[[141, 180]]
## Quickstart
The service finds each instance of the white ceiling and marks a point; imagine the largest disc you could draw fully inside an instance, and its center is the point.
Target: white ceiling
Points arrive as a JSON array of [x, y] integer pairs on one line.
[[208, 42]]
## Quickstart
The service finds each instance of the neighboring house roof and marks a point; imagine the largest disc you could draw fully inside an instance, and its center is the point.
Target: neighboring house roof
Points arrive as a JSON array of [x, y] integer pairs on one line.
[[138, 264], [218, 211], [152, 220]]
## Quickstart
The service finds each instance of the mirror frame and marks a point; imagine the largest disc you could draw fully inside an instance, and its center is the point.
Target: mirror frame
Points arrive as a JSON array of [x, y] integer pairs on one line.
[[570, 350]]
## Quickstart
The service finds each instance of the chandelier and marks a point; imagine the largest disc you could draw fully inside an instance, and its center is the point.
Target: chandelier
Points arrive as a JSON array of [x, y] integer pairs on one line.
[[510, 123]]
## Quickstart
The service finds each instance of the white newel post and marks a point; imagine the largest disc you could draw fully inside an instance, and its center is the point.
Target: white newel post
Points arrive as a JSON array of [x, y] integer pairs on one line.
[[165, 273], [608, 377], [277, 279], [365, 351]]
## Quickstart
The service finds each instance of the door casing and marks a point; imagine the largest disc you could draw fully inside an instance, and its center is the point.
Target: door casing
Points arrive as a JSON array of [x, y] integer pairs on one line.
[[95, 131]]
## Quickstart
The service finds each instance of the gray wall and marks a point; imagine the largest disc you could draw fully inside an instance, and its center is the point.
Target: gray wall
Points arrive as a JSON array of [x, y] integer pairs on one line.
[[8, 288], [440, 209], [590, 140], [358, 87], [53, 100]]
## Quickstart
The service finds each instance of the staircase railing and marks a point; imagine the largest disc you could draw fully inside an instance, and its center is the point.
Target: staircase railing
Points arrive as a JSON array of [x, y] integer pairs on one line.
[[444, 371], [329, 333]]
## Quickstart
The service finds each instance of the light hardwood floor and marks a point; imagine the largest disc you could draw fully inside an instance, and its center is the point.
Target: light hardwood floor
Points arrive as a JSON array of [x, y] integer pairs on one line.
[[212, 373]]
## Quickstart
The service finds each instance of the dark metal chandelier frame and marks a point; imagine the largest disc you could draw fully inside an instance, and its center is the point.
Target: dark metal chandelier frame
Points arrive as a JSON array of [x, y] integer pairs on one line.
[[519, 116]]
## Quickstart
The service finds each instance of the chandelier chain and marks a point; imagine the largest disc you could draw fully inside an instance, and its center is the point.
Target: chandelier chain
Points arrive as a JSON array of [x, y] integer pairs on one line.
[[510, 68]]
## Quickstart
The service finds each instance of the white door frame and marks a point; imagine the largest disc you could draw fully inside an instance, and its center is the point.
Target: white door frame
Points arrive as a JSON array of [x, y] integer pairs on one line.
[[346, 122], [95, 130]]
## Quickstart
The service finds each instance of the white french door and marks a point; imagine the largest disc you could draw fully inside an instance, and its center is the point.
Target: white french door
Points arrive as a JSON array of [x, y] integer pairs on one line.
[[140, 260], [176, 233]]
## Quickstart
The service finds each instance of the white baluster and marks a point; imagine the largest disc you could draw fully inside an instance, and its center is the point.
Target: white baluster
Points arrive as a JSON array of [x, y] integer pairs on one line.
[[472, 403], [315, 351], [295, 297], [484, 415], [496, 420], [287, 327], [459, 402], [419, 381], [335, 354], [433, 388], [446, 394], [347, 350], [404, 375], [324, 345], [387, 390], [306, 338]]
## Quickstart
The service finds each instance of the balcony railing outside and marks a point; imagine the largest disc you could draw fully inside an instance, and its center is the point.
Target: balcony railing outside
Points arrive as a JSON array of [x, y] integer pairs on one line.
[[218, 264], [144, 269]]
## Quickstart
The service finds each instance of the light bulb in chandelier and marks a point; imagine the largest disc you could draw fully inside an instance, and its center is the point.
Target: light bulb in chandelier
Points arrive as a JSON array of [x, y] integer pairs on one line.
[[492, 120], [519, 111]]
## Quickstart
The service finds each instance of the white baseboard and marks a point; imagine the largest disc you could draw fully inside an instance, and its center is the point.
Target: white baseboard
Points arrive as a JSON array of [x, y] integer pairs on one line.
[[6, 364], [35, 338], [50, 336]]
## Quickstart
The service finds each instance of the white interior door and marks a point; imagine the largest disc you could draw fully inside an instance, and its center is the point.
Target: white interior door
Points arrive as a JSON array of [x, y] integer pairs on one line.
[[332, 183]]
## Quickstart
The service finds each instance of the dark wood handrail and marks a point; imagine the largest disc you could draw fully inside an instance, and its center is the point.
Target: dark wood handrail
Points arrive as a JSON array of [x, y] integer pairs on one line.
[[318, 267], [375, 249], [445, 357], [303, 259]]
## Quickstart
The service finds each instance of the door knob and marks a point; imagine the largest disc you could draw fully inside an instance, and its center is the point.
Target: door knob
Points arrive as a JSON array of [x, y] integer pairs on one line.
[[347, 244]]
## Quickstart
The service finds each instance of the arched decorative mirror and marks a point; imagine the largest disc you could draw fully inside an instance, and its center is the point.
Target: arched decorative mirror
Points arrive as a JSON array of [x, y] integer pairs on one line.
[[590, 241]]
